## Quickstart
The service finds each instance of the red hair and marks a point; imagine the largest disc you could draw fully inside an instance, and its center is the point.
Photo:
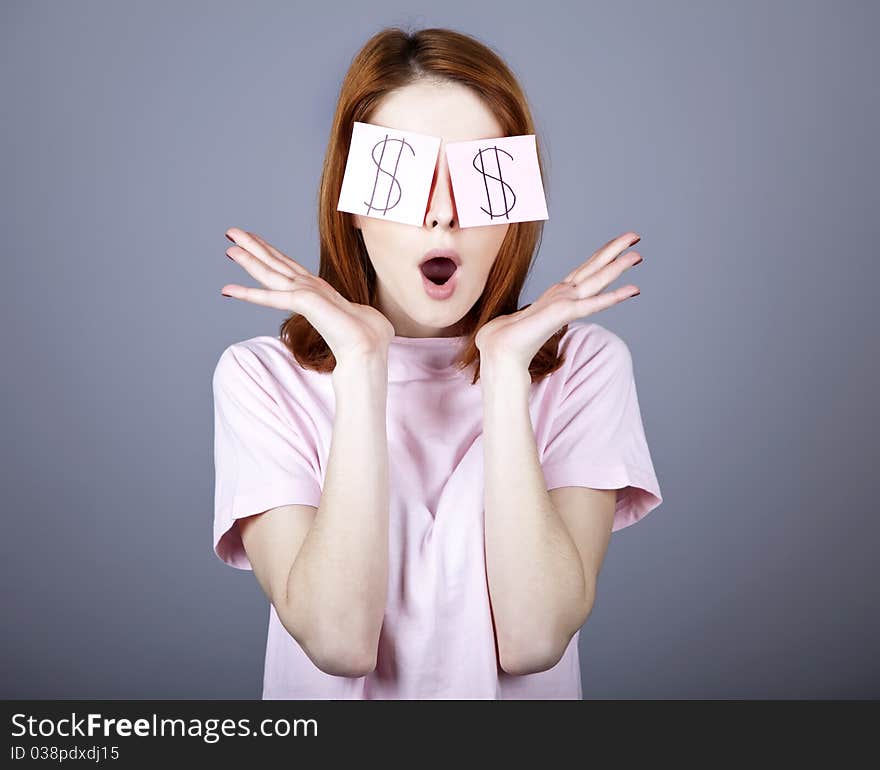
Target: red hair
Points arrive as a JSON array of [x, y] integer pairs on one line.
[[391, 59]]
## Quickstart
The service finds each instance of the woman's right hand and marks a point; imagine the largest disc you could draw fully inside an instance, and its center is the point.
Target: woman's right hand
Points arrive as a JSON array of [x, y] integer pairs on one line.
[[348, 328]]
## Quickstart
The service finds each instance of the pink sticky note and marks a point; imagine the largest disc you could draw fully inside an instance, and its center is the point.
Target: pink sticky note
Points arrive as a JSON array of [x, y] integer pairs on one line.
[[496, 181], [388, 173]]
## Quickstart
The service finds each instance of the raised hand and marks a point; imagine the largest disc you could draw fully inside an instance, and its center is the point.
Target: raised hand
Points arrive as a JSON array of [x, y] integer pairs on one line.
[[517, 337], [347, 327]]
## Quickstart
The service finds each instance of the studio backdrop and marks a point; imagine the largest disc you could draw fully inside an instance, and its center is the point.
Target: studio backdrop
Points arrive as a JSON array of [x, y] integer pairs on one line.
[[737, 139]]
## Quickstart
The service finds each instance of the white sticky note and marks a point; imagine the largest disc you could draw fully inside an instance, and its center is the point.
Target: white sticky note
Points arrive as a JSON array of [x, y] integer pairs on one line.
[[496, 181], [388, 174]]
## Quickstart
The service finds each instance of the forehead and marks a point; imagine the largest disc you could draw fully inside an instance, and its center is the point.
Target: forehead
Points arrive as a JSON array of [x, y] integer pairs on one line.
[[451, 111]]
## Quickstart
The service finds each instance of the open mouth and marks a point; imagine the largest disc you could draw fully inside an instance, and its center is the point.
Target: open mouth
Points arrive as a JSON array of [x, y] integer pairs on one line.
[[438, 270]]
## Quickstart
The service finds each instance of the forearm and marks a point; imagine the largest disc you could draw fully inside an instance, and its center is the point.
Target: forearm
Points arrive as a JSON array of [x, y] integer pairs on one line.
[[536, 580], [337, 587]]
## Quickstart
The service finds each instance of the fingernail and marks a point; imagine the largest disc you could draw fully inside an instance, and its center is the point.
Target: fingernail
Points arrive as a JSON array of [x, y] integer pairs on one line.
[[636, 294], [230, 238], [230, 258], [226, 295], [640, 259], [638, 238]]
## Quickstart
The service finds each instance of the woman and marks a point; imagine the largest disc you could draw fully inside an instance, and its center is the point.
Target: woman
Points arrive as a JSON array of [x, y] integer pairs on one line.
[[383, 467]]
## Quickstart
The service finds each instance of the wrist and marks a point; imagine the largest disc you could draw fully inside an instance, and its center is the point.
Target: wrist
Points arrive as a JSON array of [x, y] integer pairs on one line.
[[361, 370], [501, 374]]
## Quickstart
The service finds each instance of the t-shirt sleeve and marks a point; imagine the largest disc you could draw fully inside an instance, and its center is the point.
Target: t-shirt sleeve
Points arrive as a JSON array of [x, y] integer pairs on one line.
[[261, 460], [597, 438]]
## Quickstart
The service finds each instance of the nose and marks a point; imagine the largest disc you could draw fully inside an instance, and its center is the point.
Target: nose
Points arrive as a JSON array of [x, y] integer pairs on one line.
[[441, 210]]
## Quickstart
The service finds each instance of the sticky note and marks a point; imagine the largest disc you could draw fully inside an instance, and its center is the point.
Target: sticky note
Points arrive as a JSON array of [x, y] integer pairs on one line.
[[388, 173], [496, 181]]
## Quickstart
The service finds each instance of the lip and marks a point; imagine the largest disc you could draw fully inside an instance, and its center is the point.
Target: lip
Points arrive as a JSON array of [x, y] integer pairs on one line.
[[440, 291], [448, 253]]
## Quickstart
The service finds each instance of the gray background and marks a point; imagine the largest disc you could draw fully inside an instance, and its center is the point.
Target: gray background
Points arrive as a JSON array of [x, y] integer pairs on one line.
[[739, 139]]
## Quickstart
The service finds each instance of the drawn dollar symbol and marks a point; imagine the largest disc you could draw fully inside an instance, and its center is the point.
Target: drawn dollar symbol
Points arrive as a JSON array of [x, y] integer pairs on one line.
[[393, 184], [506, 189]]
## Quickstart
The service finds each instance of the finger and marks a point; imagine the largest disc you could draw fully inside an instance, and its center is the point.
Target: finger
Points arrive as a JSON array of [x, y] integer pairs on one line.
[[280, 255], [597, 302], [263, 249], [265, 297], [247, 246], [595, 282], [265, 273], [603, 256]]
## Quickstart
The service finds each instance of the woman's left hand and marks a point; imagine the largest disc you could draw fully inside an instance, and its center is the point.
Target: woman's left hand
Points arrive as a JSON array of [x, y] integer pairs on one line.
[[517, 337]]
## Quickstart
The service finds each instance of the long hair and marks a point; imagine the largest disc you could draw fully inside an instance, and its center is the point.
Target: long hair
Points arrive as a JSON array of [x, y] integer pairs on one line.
[[393, 58]]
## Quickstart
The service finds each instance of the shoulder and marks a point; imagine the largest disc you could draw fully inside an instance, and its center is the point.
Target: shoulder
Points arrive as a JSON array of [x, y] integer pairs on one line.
[[256, 361], [591, 347]]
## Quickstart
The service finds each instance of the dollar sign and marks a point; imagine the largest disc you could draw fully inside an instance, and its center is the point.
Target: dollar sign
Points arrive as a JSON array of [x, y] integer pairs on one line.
[[486, 176], [392, 174]]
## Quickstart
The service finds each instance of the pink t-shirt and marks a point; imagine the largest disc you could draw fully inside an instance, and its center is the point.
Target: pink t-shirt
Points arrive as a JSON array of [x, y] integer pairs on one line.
[[273, 427]]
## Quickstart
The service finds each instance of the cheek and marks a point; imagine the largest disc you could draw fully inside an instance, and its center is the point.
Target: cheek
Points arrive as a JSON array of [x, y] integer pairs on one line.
[[388, 244], [378, 239], [490, 240], [493, 236], [499, 237]]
